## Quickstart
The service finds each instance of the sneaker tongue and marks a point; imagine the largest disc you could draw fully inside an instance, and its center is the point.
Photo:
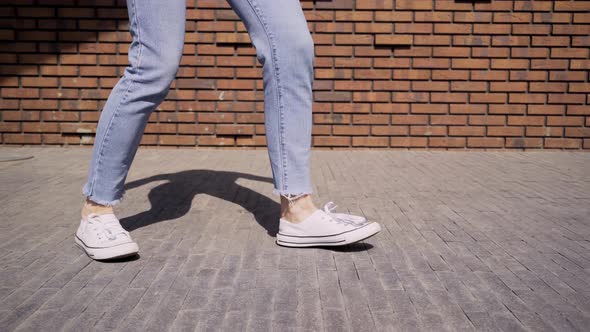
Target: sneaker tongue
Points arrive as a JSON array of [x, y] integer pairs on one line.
[[314, 216], [112, 225], [320, 213]]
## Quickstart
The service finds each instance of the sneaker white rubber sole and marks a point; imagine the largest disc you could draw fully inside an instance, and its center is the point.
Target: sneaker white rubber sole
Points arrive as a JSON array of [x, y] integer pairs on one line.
[[348, 237], [118, 251]]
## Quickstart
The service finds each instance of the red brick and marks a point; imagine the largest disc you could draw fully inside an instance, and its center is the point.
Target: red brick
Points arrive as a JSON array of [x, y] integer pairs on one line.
[[374, 4], [22, 138], [579, 87], [389, 130], [10, 127], [39, 104], [338, 96], [20, 93], [546, 109], [372, 74], [432, 40], [19, 115], [40, 127], [563, 143], [428, 130], [565, 121], [547, 87], [176, 140], [222, 129], [469, 86], [466, 131], [527, 98], [398, 108], [450, 142], [582, 6], [370, 119], [429, 86], [430, 108], [39, 82], [508, 86], [413, 5], [393, 40], [345, 15], [524, 75], [469, 108], [408, 142], [370, 141], [422, 16], [351, 130], [520, 142], [414, 97], [550, 41], [334, 27], [383, 28], [448, 120], [331, 141], [409, 119], [59, 70], [527, 52], [507, 109], [526, 120], [578, 110], [577, 132], [251, 141], [487, 120], [510, 63], [491, 29], [485, 142], [505, 131], [491, 98], [371, 96]]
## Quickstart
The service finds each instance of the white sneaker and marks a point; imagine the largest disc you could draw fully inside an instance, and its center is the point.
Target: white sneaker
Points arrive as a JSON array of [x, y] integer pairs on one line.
[[102, 237], [325, 228]]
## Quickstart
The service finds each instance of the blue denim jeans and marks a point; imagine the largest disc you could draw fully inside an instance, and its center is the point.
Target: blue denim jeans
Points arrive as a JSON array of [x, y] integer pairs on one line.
[[279, 32]]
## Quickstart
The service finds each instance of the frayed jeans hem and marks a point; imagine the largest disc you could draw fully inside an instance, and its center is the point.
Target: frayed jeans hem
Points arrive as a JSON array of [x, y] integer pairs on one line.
[[279, 192], [290, 196], [101, 201]]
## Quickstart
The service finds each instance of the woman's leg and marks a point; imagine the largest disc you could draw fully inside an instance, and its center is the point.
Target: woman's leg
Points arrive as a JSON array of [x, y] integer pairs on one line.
[[157, 28], [279, 32], [284, 46]]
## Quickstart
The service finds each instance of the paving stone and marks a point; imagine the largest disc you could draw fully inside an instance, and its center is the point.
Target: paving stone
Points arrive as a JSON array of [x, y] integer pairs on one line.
[[309, 309], [186, 320], [480, 241]]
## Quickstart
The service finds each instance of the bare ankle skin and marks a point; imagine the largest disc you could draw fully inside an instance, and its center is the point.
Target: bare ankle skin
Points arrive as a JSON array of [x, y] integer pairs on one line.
[[93, 207], [299, 209]]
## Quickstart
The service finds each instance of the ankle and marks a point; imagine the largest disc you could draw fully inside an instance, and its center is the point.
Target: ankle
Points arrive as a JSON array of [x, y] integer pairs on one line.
[[297, 209], [93, 207]]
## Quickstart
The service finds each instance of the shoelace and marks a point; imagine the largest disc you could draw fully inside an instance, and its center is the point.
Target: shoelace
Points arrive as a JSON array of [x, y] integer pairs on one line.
[[110, 227], [343, 217]]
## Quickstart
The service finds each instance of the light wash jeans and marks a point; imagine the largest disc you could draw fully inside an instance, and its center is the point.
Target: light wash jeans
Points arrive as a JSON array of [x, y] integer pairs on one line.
[[284, 47]]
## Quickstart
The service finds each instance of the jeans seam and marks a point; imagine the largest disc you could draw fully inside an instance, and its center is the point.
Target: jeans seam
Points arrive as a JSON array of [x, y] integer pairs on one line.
[[276, 70], [123, 99]]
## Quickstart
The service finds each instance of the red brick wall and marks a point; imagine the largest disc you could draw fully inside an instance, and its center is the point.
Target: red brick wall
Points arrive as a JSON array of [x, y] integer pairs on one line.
[[389, 73]]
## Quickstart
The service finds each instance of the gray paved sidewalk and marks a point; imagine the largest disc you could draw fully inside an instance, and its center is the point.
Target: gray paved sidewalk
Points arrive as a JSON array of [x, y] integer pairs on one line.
[[470, 241]]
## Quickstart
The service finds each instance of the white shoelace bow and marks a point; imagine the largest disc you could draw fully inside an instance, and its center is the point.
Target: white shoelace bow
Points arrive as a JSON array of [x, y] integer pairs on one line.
[[343, 217], [108, 226]]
